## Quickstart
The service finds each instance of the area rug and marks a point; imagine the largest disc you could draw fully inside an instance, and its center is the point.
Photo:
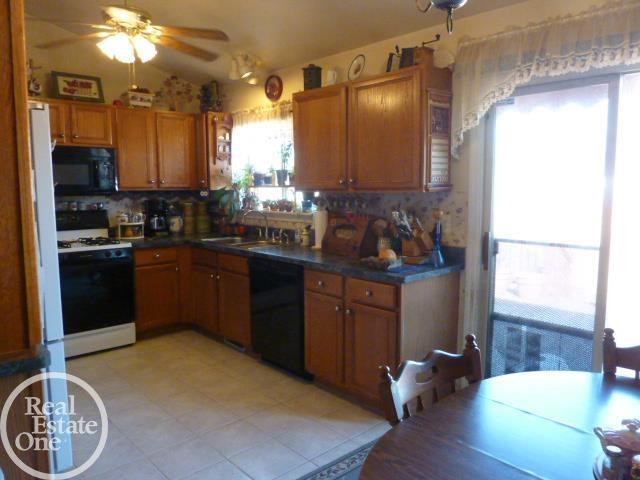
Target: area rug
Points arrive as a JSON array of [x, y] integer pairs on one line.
[[346, 467]]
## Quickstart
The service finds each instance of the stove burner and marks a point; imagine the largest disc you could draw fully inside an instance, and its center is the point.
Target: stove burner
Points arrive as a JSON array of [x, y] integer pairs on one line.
[[98, 241], [64, 244]]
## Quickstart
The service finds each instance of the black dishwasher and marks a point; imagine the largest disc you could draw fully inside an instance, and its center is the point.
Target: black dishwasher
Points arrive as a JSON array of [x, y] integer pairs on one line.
[[277, 313]]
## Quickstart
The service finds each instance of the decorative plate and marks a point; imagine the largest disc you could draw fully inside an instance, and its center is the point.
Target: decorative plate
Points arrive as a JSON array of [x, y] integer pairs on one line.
[[273, 88], [356, 67]]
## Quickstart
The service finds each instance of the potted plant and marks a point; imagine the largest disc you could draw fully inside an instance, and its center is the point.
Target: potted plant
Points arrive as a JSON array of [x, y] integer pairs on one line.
[[246, 180], [258, 179], [269, 179], [285, 155]]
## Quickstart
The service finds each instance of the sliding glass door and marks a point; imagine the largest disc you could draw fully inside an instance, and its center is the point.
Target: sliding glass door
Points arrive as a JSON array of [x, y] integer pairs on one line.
[[547, 242]]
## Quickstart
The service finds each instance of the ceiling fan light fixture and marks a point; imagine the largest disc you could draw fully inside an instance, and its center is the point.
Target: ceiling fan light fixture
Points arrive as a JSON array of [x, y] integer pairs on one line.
[[118, 47], [144, 48], [234, 72], [245, 66], [447, 5]]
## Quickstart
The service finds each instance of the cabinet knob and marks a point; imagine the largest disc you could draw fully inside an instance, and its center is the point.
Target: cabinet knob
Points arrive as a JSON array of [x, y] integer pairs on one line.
[[368, 293], [352, 181], [217, 277], [212, 276], [341, 181], [347, 311], [61, 135], [320, 283], [152, 182], [156, 256], [76, 136], [177, 269], [338, 308], [162, 181], [202, 182]]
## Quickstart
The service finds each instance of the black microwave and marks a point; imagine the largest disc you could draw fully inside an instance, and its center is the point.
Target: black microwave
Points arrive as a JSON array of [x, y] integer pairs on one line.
[[84, 170]]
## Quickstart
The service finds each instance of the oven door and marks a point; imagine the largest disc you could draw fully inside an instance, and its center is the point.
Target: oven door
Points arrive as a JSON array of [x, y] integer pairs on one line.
[[84, 171], [97, 290]]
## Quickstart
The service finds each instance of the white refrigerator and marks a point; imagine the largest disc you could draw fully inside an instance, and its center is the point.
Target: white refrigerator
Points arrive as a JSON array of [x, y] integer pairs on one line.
[[49, 274]]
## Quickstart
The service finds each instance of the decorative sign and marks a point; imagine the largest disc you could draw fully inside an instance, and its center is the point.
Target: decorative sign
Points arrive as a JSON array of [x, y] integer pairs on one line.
[[72, 86]]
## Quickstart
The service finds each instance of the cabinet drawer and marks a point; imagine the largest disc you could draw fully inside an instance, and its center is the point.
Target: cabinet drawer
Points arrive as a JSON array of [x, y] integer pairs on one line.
[[154, 256], [321, 282], [201, 256], [371, 293], [234, 263]]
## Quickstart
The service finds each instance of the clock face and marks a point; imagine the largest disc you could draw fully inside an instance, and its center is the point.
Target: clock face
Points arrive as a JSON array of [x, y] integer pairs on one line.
[[273, 88], [423, 5]]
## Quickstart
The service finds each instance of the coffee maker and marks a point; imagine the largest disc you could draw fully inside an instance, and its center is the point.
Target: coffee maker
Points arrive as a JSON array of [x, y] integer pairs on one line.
[[156, 224]]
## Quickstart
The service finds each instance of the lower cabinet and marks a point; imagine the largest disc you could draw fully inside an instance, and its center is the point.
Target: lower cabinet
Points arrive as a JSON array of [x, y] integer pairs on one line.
[[157, 296], [234, 309], [370, 341], [324, 337], [204, 295]]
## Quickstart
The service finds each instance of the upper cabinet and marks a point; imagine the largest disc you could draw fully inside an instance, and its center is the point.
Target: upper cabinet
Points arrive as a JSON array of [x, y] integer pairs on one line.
[[137, 165], [320, 138], [81, 124], [387, 133], [176, 150], [385, 141]]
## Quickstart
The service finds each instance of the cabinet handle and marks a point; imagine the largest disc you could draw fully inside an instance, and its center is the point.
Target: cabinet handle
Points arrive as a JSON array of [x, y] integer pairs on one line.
[[341, 181], [347, 311], [320, 283], [368, 293], [338, 308], [177, 269], [61, 135], [152, 182], [202, 182], [162, 181], [156, 256], [217, 277], [212, 276], [76, 136], [352, 181]]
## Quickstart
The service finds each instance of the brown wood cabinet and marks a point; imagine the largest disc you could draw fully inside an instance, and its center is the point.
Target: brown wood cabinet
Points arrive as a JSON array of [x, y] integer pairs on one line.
[[204, 295], [234, 310], [324, 337], [176, 150], [370, 341], [137, 164], [350, 332], [397, 132], [81, 123], [157, 296], [385, 141], [217, 149], [320, 138]]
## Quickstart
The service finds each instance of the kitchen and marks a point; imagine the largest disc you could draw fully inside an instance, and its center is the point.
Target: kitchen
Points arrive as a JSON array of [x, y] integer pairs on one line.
[[233, 263]]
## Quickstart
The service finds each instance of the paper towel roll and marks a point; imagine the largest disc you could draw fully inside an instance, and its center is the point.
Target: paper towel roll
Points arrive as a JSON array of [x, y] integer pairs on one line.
[[320, 220]]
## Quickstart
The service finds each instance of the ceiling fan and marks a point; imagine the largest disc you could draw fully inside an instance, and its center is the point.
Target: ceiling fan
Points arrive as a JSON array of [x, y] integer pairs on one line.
[[128, 33], [448, 5]]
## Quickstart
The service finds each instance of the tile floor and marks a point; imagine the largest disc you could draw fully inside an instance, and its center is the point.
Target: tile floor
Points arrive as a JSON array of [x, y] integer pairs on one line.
[[184, 406]]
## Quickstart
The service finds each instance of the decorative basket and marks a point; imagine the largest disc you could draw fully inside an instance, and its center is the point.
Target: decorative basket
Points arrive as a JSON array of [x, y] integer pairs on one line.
[[138, 99]]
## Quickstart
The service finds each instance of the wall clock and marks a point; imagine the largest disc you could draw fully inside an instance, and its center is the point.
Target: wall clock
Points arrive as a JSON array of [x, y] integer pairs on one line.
[[273, 88]]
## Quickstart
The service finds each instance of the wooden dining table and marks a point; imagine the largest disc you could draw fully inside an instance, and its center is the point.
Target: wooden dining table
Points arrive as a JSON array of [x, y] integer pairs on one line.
[[533, 425]]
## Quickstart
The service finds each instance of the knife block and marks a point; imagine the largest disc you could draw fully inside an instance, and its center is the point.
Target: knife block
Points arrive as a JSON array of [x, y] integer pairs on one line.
[[350, 236]]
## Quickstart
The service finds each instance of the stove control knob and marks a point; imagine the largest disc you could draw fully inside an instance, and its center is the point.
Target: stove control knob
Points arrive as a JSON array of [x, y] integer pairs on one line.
[[107, 254], [118, 253]]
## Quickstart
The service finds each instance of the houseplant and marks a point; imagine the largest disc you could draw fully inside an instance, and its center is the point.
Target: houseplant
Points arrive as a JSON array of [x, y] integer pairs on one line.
[[285, 155]]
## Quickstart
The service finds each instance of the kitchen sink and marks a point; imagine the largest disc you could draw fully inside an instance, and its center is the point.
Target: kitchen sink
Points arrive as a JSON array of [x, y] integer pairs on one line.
[[241, 242], [232, 240], [259, 243]]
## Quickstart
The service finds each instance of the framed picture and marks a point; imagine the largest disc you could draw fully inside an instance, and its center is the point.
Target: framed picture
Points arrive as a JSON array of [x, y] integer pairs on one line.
[[72, 86], [273, 88]]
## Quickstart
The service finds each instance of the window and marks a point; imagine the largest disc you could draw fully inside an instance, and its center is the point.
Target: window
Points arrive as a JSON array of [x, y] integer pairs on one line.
[[263, 151]]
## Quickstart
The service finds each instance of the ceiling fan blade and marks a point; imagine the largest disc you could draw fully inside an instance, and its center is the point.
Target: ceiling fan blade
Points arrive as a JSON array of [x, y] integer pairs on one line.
[[65, 22], [183, 47], [69, 40], [192, 32]]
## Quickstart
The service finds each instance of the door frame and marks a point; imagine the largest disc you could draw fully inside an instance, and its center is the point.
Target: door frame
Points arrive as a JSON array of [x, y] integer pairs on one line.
[[613, 81]]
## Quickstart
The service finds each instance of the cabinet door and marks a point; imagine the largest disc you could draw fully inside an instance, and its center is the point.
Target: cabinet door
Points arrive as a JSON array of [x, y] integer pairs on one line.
[[176, 140], [219, 130], [235, 307], [59, 123], [324, 337], [136, 149], [204, 296], [320, 138], [370, 341], [91, 124], [385, 133], [157, 296]]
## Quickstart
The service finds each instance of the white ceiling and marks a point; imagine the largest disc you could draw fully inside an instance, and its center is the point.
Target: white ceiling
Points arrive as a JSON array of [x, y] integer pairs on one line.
[[282, 33]]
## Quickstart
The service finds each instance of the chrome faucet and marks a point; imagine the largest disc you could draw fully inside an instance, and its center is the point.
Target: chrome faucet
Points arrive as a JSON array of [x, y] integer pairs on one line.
[[266, 221]]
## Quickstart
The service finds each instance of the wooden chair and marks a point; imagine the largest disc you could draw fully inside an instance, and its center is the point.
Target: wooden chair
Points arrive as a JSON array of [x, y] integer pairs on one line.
[[437, 373], [614, 357]]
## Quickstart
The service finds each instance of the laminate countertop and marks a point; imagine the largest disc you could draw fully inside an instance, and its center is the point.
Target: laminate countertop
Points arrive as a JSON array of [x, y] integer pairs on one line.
[[315, 259]]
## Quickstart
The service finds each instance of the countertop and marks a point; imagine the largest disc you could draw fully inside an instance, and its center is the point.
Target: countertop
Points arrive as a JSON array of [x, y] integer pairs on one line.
[[317, 259], [40, 359]]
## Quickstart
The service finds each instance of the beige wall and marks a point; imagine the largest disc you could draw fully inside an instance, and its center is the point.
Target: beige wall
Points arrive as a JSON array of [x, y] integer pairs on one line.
[[242, 96], [85, 58]]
